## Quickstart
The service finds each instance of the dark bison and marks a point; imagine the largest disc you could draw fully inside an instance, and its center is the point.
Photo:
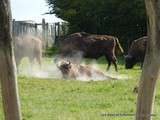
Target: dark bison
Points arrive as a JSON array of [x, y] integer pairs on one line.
[[27, 46], [91, 46], [74, 71], [136, 52]]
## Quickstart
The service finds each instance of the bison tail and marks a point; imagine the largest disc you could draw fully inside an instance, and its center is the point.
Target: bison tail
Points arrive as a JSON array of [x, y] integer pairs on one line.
[[119, 49]]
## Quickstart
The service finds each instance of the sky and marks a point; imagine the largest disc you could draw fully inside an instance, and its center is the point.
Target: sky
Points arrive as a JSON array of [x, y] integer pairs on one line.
[[31, 10]]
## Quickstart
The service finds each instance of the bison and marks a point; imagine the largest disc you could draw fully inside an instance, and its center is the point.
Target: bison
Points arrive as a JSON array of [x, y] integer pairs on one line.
[[136, 52], [27, 46], [74, 71], [92, 46]]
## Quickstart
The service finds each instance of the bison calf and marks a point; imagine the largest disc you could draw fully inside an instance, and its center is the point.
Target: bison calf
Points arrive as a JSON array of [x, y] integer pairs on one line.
[[74, 71]]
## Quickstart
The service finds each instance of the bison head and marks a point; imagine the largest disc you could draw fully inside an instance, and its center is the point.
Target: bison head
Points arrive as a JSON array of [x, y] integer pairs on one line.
[[64, 67], [130, 61]]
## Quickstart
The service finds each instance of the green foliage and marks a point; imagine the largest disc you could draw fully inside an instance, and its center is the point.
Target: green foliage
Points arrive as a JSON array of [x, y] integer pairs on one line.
[[125, 19]]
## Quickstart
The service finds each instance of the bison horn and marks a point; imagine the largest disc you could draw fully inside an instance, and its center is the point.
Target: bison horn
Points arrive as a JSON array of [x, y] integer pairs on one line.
[[58, 64], [128, 56], [68, 62]]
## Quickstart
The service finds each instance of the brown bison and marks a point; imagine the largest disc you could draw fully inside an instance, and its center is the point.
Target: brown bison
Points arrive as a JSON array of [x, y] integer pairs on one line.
[[27, 46], [74, 71], [91, 46], [136, 52]]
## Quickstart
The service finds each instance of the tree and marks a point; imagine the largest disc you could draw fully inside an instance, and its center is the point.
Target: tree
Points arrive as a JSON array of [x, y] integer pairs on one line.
[[151, 69], [7, 65], [122, 18]]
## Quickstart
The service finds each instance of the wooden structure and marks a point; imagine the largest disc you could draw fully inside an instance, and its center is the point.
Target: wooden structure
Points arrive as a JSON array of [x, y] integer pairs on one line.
[[48, 32]]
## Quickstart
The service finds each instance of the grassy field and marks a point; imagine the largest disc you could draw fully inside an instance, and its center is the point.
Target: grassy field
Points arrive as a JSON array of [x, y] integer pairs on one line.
[[47, 99]]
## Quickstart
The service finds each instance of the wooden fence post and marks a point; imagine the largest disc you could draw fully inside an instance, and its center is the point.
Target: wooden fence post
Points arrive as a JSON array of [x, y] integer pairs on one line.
[[57, 32], [58, 29], [7, 65], [52, 34], [43, 32], [46, 35], [13, 28], [36, 31]]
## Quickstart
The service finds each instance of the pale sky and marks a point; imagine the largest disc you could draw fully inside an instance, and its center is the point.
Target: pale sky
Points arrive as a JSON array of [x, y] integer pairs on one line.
[[31, 10]]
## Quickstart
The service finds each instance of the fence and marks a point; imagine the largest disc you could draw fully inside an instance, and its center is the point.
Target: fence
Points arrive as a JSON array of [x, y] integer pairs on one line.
[[48, 32]]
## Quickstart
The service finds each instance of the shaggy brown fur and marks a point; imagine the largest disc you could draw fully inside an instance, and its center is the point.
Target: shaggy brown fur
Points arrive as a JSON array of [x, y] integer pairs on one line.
[[91, 46], [136, 52]]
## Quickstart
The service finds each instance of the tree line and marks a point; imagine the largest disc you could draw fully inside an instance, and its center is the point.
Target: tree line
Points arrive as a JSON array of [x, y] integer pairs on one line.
[[124, 19]]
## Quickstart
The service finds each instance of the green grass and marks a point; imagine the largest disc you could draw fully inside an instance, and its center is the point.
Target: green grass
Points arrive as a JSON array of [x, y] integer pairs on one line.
[[76, 100], [51, 51]]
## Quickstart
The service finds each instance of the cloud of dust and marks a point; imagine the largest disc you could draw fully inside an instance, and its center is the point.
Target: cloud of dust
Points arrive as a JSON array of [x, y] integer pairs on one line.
[[49, 70], [99, 77], [94, 76]]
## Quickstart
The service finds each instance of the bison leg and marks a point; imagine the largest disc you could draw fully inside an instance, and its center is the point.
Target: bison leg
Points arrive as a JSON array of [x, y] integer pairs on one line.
[[31, 60], [109, 62], [113, 60], [39, 59], [115, 65]]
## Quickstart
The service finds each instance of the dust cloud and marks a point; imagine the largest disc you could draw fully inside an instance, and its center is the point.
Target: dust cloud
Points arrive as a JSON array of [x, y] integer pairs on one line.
[[49, 70]]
